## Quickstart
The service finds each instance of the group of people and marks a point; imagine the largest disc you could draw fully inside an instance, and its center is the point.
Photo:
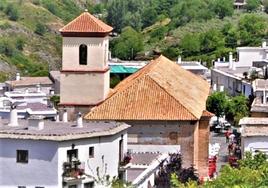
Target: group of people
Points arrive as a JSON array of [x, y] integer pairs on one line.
[[234, 149]]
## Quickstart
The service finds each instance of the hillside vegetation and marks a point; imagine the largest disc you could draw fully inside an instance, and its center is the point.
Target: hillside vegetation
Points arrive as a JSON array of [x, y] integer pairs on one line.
[[197, 29]]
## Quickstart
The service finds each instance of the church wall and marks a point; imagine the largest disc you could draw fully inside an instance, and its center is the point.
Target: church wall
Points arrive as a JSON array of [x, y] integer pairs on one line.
[[97, 53], [84, 89]]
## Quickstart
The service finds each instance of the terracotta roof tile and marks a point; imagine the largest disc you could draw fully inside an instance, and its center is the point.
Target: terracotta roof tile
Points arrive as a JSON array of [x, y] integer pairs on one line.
[[86, 23], [207, 114], [162, 90], [30, 81]]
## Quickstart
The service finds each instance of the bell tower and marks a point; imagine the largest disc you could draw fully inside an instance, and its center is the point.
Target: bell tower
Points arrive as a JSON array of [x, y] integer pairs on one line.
[[85, 75]]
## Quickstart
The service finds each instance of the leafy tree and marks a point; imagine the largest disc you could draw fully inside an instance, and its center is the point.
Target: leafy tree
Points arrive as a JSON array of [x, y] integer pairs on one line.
[[252, 172], [237, 107], [172, 52], [231, 35], [12, 12], [149, 16], [212, 40], [116, 11], [252, 29], [216, 103], [128, 44], [253, 5], [190, 44], [223, 8]]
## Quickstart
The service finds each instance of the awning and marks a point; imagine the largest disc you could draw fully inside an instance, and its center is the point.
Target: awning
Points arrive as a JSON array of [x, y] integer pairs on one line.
[[120, 69]]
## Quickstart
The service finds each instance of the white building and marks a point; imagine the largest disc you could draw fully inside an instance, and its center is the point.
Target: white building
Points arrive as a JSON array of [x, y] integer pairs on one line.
[[30, 83], [39, 153], [254, 134]]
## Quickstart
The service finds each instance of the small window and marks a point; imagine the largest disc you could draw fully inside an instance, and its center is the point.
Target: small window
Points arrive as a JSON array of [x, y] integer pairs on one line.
[[72, 186], [89, 185], [91, 152], [83, 54], [39, 187], [21, 186], [22, 156]]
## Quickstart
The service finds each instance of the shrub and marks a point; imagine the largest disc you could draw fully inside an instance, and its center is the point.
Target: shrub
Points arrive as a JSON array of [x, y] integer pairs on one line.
[[12, 12], [40, 29]]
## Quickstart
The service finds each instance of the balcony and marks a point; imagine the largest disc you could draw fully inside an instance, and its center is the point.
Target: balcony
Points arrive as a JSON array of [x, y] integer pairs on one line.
[[125, 161], [73, 171]]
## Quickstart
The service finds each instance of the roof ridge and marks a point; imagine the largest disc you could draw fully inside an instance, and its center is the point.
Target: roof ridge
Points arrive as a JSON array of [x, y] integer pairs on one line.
[[172, 96]]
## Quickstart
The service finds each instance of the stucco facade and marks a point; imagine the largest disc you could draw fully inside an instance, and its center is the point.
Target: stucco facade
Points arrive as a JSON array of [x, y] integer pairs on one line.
[[84, 85], [46, 158], [190, 138]]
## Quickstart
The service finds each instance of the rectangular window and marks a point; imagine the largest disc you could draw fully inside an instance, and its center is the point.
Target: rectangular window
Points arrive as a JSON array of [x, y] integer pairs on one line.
[[91, 152], [72, 154], [22, 156], [72, 186], [89, 185], [39, 187], [21, 186]]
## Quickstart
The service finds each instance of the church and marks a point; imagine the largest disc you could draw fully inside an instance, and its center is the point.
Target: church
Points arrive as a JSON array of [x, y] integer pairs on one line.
[[164, 104]]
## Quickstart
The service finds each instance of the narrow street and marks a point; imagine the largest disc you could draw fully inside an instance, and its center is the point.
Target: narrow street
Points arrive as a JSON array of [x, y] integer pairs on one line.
[[223, 152]]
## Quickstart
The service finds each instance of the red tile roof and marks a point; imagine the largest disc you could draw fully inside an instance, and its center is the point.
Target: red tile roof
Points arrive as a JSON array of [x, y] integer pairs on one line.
[[162, 90], [86, 23]]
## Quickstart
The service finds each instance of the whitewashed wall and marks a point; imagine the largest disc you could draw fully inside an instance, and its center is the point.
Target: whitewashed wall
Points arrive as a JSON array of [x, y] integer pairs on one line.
[[255, 143], [247, 56], [41, 169], [108, 147]]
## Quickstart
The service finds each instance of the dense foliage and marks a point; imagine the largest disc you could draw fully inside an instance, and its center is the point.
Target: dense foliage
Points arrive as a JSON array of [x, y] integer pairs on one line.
[[173, 171], [197, 30], [234, 108], [252, 172]]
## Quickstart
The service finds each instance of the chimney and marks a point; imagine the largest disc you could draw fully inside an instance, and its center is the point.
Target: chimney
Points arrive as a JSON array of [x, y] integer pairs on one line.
[[221, 88], [79, 122], [264, 97], [214, 87], [219, 60], [264, 44], [109, 55], [13, 116], [17, 76], [179, 60], [234, 66], [57, 119], [38, 88], [65, 116], [36, 122], [230, 60]]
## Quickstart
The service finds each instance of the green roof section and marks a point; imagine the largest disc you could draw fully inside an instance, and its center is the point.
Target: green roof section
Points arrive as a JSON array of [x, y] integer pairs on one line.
[[120, 69]]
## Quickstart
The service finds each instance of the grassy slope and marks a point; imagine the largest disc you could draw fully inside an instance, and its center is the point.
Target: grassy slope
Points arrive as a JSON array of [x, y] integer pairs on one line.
[[39, 52]]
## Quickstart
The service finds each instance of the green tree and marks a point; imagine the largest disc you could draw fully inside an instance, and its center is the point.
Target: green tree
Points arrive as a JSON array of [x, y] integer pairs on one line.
[[223, 8], [190, 44], [237, 108], [212, 40], [231, 35], [128, 44], [149, 16], [216, 103], [253, 5], [252, 28], [252, 172], [116, 10]]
